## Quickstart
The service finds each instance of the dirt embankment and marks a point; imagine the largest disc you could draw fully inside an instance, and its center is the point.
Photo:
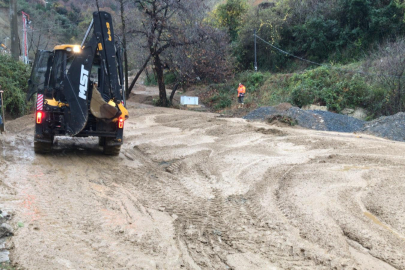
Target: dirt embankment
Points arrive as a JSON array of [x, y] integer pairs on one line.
[[195, 191]]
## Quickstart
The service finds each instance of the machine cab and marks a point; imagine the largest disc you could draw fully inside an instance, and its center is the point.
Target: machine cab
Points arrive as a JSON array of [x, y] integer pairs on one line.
[[49, 71]]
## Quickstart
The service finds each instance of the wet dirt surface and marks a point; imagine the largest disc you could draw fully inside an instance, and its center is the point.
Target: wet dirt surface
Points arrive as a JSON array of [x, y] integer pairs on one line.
[[194, 191]]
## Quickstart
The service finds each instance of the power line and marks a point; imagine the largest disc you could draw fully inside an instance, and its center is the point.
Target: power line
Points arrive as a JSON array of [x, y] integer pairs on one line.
[[323, 65], [290, 54], [53, 27]]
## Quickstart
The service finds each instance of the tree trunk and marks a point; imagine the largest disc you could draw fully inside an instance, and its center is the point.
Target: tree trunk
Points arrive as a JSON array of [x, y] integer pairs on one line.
[[173, 92], [15, 41], [160, 80], [124, 45], [147, 75], [137, 76], [399, 96]]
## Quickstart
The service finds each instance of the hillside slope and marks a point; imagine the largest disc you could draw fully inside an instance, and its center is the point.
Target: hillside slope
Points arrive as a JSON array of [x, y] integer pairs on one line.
[[4, 24]]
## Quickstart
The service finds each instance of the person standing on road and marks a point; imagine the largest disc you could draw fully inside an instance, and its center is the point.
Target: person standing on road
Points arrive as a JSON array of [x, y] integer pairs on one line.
[[241, 94]]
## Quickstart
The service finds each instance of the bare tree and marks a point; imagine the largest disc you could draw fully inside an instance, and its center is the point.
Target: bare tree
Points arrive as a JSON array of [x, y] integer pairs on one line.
[[168, 24], [208, 61], [390, 67], [38, 39]]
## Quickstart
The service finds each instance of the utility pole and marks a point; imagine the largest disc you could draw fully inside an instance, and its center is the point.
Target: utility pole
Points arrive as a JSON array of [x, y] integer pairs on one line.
[[255, 52], [1, 112], [15, 44], [26, 21]]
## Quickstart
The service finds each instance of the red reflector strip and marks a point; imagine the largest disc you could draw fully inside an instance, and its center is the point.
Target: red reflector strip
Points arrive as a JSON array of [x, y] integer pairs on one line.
[[39, 117], [40, 102], [121, 122]]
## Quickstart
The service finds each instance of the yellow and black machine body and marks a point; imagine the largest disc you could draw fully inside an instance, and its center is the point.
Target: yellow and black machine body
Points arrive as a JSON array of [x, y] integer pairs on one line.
[[80, 89]]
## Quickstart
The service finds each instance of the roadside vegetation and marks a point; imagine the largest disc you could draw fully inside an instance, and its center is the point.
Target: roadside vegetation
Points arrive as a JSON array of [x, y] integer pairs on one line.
[[322, 86], [13, 80], [339, 54]]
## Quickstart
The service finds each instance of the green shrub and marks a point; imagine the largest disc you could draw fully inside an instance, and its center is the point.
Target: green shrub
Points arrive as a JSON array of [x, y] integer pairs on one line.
[[374, 101], [275, 90], [220, 101], [169, 77], [329, 87], [219, 96], [302, 95], [4, 4], [151, 80], [252, 80], [227, 89], [13, 80]]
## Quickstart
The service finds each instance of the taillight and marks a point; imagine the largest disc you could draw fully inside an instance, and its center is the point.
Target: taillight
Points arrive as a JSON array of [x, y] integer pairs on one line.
[[120, 122], [39, 117]]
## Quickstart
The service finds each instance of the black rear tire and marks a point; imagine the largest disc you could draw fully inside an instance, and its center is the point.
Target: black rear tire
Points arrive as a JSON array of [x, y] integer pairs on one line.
[[42, 147], [111, 150], [101, 141]]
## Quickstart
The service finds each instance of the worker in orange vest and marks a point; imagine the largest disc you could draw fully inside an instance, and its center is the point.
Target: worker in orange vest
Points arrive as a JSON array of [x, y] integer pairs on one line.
[[241, 94]]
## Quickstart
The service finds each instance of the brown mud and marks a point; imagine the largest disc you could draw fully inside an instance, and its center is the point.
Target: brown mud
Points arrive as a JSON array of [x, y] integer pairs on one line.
[[194, 191]]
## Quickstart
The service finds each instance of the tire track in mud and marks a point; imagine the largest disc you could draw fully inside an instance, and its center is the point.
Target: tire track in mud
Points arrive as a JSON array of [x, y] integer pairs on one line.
[[347, 221], [215, 195], [367, 233], [7, 193], [222, 224], [202, 239], [278, 228], [255, 217], [197, 221], [70, 217]]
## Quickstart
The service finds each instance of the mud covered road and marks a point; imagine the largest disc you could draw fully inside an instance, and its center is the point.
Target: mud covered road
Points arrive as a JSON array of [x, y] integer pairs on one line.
[[195, 191]]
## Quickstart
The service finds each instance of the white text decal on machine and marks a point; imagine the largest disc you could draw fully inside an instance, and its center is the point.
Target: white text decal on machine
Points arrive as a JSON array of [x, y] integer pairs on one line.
[[84, 78]]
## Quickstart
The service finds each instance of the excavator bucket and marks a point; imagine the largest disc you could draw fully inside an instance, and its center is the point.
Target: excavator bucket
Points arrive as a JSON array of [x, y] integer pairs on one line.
[[101, 109]]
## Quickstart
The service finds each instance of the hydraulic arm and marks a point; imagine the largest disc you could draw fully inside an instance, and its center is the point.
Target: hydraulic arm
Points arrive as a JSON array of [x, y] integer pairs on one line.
[[77, 79]]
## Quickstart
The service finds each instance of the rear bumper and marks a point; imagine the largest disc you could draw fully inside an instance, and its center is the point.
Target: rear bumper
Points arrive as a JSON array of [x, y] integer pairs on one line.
[[41, 138], [115, 142]]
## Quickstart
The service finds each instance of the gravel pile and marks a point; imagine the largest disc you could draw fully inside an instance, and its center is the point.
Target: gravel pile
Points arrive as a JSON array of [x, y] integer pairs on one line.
[[318, 120], [340, 122], [307, 119], [261, 113], [390, 127]]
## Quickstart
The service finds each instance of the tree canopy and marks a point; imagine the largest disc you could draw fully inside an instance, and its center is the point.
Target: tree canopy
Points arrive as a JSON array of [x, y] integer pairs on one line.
[[210, 40], [319, 30]]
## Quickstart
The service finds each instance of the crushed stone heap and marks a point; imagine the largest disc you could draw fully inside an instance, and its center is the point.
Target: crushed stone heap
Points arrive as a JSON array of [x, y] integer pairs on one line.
[[389, 127]]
